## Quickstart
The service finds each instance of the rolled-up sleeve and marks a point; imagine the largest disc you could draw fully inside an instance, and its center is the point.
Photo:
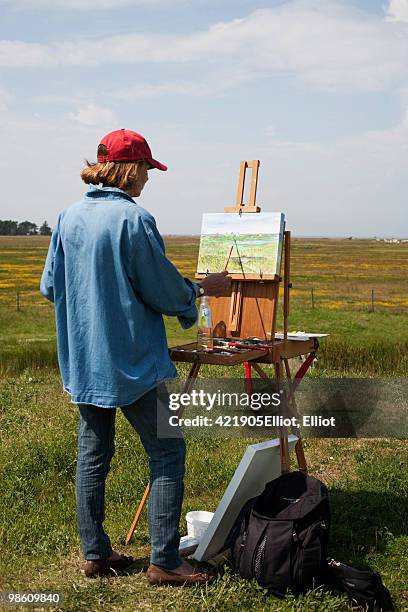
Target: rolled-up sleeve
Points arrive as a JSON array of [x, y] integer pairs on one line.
[[156, 279], [47, 278]]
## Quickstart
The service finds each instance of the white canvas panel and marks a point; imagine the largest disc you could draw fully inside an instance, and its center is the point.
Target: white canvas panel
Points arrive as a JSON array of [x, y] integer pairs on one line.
[[259, 464]]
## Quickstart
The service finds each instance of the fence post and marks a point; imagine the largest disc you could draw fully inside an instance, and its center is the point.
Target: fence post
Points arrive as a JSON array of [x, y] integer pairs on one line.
[[312, 294], [18, 301], [372, 300]]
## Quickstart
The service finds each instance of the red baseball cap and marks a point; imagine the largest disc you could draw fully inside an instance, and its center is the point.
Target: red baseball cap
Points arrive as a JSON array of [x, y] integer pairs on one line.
[[125, 145]]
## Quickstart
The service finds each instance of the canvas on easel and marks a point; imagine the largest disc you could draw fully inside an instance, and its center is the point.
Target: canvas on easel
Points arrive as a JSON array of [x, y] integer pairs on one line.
[[251, 244]]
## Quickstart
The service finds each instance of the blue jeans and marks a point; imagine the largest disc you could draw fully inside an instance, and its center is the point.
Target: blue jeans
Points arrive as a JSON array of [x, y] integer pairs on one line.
[[166, 460]]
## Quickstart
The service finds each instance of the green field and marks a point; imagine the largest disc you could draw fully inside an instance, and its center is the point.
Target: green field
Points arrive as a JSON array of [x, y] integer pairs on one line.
[[366, 338], [368, 479]]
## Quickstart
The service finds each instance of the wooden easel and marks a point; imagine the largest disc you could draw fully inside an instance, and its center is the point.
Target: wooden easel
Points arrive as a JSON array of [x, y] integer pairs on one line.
[[250, 312]]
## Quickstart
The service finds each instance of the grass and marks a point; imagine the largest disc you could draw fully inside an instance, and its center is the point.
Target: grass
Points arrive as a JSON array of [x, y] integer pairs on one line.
[[368, 479], [39, 548]]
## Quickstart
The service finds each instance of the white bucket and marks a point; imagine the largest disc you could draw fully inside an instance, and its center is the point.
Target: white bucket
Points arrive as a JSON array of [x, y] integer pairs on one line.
[[197, 523]]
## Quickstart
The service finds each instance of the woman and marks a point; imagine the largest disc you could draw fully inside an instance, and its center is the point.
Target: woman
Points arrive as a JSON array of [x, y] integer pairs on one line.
[[111, 282]]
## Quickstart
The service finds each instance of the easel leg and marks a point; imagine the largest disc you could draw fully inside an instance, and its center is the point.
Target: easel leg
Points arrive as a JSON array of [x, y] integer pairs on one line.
[[189, 383], [138, 513], [283, 434], [300, 455]]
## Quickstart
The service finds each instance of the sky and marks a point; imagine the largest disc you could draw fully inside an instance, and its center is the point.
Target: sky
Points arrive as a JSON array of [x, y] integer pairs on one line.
[[315, 89]]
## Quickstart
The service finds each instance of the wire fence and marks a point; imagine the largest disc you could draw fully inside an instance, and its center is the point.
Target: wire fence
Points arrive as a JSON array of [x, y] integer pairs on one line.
[[369, 299], [23, 300]]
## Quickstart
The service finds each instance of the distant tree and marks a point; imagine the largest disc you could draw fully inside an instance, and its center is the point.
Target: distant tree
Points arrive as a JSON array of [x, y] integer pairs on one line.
[[8, 228], [26, 228], [45, 229]]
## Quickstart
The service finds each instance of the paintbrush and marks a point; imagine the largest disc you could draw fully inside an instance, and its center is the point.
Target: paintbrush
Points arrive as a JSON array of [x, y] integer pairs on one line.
[[239, 257], [228, 258]]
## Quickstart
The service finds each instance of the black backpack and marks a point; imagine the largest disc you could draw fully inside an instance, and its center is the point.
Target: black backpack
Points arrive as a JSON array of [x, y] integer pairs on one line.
[[280, 538]]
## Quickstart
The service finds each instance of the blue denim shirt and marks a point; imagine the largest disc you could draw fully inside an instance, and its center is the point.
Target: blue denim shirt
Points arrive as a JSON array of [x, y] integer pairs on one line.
[[111, 282]]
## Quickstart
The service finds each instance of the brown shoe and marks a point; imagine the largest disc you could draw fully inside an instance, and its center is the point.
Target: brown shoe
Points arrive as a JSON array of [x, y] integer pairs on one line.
[[158, 575], [105, 567]]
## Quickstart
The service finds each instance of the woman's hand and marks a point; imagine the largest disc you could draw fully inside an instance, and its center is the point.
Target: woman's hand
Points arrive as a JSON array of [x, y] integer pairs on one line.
[[217, 284]]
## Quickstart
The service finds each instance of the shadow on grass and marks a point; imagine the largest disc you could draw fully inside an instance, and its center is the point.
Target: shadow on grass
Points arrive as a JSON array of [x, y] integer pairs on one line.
[[365, 522]]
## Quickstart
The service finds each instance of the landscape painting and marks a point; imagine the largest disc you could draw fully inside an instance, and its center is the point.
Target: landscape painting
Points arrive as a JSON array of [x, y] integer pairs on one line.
[[250, 244]]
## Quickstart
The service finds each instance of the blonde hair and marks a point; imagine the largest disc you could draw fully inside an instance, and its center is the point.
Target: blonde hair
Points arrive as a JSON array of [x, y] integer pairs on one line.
[[112, 174]]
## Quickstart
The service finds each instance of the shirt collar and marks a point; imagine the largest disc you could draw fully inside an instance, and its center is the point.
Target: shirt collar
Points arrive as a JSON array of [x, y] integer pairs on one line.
[[108, 193]]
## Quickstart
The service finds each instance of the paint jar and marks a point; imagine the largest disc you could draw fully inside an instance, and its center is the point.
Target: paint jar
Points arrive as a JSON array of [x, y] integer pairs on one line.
[[204, 330], [197, 523]]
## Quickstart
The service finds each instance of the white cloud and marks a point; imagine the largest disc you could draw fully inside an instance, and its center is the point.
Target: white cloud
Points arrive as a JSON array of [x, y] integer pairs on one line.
[[146, 90], [5, 99], [82, 5], [217, 81], [76, 100], [398, 10], [15, 53], [327, 44], [93, 115]]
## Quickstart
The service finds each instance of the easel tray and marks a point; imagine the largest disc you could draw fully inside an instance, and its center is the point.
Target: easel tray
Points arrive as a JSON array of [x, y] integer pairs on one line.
[[190, 354], [280, 349]]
